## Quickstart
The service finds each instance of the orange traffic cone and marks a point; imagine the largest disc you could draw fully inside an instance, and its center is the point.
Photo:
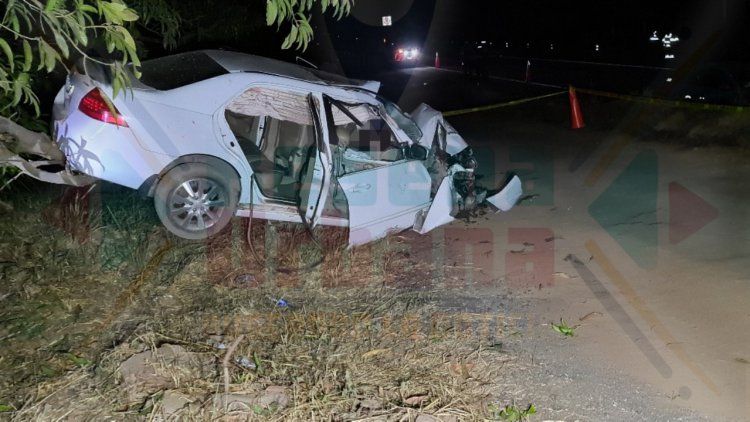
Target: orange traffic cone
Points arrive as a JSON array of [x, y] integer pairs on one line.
[[576, 118], [437, 60]]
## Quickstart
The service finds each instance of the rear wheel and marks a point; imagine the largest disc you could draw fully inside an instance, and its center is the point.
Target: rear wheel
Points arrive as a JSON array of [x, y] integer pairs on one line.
[[197, 200]]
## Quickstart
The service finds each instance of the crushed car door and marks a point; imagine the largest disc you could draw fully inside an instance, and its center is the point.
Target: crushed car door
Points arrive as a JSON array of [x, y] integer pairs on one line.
[[316, 178], [384, 199], [385, 188]]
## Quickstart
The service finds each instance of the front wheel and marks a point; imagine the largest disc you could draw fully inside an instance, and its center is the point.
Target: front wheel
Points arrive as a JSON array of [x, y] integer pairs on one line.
[[197, 200]]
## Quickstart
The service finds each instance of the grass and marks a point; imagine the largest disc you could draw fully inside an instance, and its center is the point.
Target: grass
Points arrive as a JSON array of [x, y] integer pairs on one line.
[[102, 280], [563, 328], [512, 413]]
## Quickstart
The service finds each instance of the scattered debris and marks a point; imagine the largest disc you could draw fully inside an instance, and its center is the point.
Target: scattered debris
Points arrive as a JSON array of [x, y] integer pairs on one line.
[[244, 362], [590, 315], [281, 302], [246, 279]]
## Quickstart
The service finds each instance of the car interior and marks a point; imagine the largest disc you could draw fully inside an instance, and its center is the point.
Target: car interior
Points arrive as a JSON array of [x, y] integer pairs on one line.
[[276, 150], [275, 133]]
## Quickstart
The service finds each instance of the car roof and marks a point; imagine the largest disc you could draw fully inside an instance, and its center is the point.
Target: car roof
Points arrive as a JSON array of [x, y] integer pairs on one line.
[[186, 68], [243, 62]]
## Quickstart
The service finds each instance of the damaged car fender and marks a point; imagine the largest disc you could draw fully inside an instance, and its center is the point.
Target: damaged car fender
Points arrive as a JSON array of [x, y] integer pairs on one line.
[[440, 211]]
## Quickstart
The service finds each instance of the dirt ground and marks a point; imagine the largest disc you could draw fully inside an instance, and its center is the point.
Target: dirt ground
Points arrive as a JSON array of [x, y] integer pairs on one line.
[[104, 316]]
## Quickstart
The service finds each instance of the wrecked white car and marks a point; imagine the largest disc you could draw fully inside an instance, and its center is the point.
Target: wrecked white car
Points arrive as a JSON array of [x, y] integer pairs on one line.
[[212, 134]]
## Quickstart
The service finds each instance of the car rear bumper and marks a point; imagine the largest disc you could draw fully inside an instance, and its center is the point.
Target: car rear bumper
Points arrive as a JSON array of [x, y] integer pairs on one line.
[[105, 151]]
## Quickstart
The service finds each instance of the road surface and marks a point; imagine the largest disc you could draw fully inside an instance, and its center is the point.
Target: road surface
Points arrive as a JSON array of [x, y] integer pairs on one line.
[[641, 244]]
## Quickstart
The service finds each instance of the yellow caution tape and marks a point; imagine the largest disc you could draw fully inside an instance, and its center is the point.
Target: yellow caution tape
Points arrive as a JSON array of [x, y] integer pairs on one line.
[[494, 106], [663, 102], [634, 98]]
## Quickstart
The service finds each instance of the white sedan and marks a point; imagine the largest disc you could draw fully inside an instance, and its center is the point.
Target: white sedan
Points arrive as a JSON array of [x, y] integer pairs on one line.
[[212, 134]]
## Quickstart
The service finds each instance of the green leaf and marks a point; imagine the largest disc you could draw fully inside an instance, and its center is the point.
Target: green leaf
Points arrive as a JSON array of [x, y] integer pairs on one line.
[[48, 372], [6, 408], [42, 55], [17, 92], [8, 53], [49, 55], [531, 410], [257, 361], [563, 328], [127, 39], [136, 66], [51, 5], [27, 56], [290, 38], [271, 11], [77, 360], [109, 40], [293, 34], [113, 12], [116, 86], [23, 78], [129, 15], [82, 37], [87, 8], [61, 44], [14, 24]]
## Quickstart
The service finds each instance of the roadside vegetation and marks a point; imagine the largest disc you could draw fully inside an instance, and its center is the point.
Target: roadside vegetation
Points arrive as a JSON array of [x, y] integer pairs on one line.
[[106, 314]]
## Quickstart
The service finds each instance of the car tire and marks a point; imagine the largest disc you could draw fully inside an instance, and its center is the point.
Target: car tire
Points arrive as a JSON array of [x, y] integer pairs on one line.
[[197, 200]]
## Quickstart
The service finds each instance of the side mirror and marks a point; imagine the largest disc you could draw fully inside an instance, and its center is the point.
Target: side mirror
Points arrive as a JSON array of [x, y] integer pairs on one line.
[[416, 152]]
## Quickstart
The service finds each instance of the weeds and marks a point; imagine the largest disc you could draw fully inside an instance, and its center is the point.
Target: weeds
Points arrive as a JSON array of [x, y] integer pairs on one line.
[[563, 328], [78, 307], [511, 412]]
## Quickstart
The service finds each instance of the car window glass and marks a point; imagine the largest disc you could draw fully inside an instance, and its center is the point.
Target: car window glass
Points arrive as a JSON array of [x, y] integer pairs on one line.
[[367, 138], [403, 121]]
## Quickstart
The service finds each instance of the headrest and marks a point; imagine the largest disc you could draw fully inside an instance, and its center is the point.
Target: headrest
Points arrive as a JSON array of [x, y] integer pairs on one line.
[[344, 134]]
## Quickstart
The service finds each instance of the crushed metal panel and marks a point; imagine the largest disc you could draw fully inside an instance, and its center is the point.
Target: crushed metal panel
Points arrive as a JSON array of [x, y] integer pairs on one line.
[[508, 196], [384, 199], [440, 210], [427, 118]]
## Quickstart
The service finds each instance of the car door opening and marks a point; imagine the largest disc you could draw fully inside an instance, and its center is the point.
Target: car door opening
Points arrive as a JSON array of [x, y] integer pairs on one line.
[[275, 131]]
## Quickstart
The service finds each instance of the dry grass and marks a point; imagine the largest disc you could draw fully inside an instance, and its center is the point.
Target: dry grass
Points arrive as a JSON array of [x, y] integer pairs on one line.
[[354, 343]]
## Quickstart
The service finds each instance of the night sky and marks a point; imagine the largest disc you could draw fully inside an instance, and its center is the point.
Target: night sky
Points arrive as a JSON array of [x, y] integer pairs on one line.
[[708, 30]]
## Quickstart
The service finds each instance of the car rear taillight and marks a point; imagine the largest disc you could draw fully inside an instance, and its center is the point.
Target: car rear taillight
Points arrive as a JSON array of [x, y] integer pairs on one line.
[[95, 106]]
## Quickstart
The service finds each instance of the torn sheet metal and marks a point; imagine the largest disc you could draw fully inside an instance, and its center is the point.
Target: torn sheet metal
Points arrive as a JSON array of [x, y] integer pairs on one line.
[[440, 210], [508, 196], [428, 119]]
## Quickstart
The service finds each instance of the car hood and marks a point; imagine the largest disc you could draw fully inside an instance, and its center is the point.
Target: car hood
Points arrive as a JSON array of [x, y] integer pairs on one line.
[[427, 118]]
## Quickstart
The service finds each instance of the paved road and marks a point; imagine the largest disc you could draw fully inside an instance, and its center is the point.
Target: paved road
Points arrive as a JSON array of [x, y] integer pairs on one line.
[[641, 244]]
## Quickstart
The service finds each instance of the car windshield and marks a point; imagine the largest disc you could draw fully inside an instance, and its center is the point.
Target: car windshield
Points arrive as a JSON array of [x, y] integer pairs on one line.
[[403, 121]]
